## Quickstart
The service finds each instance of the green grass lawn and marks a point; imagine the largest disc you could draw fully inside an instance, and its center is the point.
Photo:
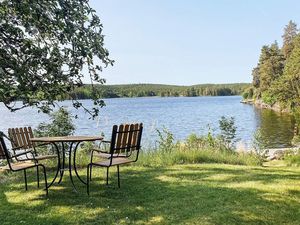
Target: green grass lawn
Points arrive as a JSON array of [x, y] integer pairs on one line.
[[182, 194]]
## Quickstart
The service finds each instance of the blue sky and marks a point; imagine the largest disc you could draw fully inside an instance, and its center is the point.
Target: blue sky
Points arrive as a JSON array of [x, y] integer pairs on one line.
[[188, 42]]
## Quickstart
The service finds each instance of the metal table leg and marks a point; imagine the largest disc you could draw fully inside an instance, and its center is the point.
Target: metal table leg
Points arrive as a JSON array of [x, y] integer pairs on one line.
[[58, 165], [70, 166], [62, 169], [74, 164]]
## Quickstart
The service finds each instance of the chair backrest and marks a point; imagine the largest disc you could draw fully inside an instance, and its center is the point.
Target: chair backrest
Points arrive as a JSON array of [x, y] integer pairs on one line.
[[126, 138], [20, 137]]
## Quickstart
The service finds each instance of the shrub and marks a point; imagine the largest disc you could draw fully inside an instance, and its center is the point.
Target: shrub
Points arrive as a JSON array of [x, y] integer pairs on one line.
[[245, 95], [180, 156], [259, 144], [296, 140], [210, 140], [228, 132], [268, 98], [165, 140], [194, 141], [195, 149], [292, 158], [248, 93], [61, 124]]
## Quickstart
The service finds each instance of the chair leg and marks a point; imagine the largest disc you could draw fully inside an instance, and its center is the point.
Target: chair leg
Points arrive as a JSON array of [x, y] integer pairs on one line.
[[107, 168], [45, 176], [37, 176], [88, 176], [25, 177], [118, 169], [90, 173]]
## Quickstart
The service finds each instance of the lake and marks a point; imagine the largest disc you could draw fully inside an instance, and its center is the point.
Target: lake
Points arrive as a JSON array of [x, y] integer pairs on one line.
[[181, 115]]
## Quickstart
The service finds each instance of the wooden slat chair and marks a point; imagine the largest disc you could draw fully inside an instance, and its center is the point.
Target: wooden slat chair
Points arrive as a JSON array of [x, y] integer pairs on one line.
[[20, 139], [125, 145], [18, 166]]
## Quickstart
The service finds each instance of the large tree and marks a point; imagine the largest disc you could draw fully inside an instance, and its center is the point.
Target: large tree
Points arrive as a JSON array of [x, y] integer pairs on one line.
[[290, 32], [46, 47], [288, 87], [269, 68]]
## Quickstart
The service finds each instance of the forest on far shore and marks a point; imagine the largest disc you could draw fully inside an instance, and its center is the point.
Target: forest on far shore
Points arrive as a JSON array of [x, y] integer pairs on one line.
[[161, 90]]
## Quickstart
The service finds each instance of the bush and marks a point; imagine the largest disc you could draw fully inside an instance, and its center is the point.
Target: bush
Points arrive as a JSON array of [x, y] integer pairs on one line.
[[259, 144], [228, 132], [195, 149], [268, 98], [245, 95], [194, 141], [180, 156], [61, 124], [248, 93], [296, 140], [292, 158], [165, 140]]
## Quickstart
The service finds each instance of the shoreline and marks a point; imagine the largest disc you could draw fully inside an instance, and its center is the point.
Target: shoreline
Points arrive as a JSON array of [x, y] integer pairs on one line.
[[261, 105]]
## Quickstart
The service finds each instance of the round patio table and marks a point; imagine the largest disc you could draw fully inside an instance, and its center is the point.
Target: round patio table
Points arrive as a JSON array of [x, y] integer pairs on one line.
[[72, 141]]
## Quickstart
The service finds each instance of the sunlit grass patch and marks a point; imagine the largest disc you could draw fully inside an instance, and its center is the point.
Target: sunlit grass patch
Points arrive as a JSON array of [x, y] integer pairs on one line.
[[180, 194]]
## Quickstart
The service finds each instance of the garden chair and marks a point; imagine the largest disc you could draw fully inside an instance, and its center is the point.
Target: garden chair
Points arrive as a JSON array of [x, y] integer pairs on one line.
[[19, 165], [20, 142], [125, 145], [20, 139]]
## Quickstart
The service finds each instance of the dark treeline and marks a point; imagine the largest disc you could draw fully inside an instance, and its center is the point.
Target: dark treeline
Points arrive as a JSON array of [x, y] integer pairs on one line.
[[276, 78], [145, 90]]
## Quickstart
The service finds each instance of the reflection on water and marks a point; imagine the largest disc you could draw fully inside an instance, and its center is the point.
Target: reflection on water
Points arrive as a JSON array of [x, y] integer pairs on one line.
[[181, 115], [275, 127]]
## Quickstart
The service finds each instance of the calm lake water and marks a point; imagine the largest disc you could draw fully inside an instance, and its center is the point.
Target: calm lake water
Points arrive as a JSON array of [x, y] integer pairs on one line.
[[181, 115]]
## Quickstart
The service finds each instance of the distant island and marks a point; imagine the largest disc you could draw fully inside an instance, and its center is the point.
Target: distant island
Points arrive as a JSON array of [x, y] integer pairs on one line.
[[161, 90]]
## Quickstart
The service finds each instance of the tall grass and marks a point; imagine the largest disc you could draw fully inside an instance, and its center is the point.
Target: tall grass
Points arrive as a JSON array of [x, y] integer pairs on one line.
[[292, 158], [208, 148], [176, 155], [195, 149], [180, 156]]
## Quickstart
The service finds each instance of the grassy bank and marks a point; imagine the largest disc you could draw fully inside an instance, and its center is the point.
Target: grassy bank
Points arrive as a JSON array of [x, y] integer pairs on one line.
[[181, 194], [184, 156], [175, 156]]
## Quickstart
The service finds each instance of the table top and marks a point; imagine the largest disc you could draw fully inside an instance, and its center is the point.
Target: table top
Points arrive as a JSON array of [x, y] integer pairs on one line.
[[66, 139]]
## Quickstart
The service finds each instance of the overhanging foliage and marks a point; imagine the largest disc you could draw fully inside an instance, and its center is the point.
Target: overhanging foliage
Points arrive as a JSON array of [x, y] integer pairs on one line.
[[45, 49]]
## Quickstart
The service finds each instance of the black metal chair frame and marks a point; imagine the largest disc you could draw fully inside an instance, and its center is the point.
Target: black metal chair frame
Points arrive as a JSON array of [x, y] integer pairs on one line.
[[118, 150], [9, 158]]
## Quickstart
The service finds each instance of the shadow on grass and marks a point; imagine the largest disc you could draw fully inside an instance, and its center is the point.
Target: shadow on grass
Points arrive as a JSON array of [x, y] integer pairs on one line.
[[174, 195]]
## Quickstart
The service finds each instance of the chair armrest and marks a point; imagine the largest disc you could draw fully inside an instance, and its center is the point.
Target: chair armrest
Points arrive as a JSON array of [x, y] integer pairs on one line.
[[17, 148], [98, 150], [26, 154], [103, 141], [22, 153]]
